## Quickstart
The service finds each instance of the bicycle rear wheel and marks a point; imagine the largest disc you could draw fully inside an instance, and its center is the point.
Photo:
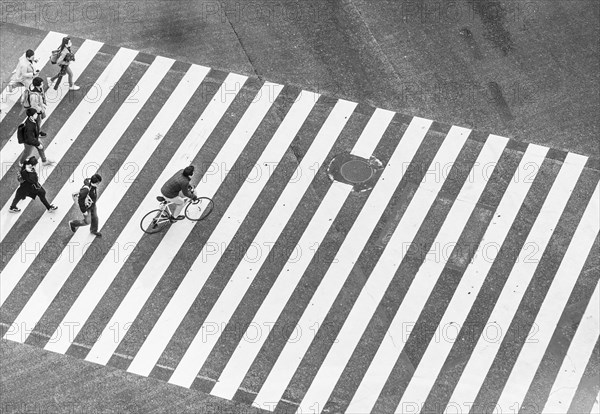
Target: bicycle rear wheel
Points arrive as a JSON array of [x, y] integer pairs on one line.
[[154, 221], [199, 209]]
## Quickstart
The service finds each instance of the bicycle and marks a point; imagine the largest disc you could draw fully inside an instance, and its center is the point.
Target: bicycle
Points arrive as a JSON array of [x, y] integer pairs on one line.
[[194, 210]]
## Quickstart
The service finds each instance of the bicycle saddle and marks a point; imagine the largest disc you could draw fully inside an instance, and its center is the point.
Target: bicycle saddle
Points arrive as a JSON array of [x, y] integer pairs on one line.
[[161, 199]]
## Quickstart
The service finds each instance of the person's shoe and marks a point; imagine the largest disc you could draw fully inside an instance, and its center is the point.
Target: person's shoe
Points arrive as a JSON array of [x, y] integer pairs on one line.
[[74, 88], [49, 80], [96, 233], [42, 134], [48, 162], [52, 208], [14, 209], [72, 227]]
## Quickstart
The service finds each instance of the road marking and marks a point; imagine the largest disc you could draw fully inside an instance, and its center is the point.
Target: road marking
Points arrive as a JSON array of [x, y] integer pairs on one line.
[[353, 244], [579, 353], [109, 267], [554, 303], [9, 99], [12, 149], [471, 282], [424, 281], [246, 271], [520, 276], [64, 265]]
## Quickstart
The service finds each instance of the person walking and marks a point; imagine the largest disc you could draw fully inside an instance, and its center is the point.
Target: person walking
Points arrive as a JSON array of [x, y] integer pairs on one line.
[[178, 187], [86, 200], [66, 56], [35, 98], [30, 187], [31, 141], [24, 72]]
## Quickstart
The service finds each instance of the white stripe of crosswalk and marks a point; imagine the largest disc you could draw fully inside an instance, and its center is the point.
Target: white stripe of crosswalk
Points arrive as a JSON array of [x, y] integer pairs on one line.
[[112, 194], [579, 353], [67, 135], [149, 353], [554, 302], [158, 263], [596, 407], [332, 202], [71, 129], [50, 42], [227, 227], [62, 267], [346, 257], [426, 278], [520, 276], [85, 54], [426, 372]]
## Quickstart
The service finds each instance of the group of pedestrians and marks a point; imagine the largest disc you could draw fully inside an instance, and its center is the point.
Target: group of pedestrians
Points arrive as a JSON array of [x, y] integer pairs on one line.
[[33, 102]]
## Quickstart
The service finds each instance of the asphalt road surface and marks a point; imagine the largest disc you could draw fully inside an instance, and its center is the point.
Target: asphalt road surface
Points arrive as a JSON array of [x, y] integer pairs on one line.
[[523, 70]]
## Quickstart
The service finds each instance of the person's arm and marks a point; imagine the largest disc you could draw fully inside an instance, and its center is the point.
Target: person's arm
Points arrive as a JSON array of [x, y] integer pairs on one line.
[[61, 58], [30, 135], [83, 193], [186, 189]]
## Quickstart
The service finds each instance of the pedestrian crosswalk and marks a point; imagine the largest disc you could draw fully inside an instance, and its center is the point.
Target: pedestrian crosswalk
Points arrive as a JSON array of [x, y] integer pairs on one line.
[[443, 288]]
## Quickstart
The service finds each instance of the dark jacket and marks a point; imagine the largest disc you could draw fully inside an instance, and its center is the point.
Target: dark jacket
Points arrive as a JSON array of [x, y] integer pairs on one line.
[[175, 184], [87, 196], [32, 132], [66, 56], [31, 186]]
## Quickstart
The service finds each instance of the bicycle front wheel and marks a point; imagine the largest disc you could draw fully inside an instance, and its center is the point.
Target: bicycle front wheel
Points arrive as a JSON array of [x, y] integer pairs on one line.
[[154, 221], [199, 209]]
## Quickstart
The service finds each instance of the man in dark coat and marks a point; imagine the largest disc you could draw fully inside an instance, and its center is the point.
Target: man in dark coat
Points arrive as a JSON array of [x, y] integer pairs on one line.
[[88, 194], [32, 138], [30, 187], [177, 187]]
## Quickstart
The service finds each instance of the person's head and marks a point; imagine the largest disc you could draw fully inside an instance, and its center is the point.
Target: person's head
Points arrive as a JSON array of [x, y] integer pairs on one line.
[[30, 163], [188, 171], [95, 179], [66, 42], [37, 82], [30, 55], [32, 113]]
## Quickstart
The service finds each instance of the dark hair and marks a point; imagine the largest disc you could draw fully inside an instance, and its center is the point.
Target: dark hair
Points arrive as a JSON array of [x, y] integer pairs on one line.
[[31, 111], [37, 81], [29, 53], [96, 179], [31, 161], [64, 42], [187, 171]]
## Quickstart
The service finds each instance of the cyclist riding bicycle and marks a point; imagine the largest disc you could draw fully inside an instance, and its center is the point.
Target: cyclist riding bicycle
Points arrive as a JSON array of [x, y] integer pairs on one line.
[[178, 187]]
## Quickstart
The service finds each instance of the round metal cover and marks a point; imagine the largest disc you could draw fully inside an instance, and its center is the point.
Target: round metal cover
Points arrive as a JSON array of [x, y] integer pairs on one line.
[[356, 171]]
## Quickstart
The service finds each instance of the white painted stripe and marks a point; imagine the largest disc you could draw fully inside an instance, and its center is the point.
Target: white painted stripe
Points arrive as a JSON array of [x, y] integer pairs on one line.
[[63, 266], [425, 279], [246, 271], [376, 127], [49, 43], [225, 230], [578, 355], [158, 263], [12, 149], [555, 301], [353, 244], [112, 194], [596, 407], [227, 156], [283, 288], [427, 371], [520, 276], [71, 129]]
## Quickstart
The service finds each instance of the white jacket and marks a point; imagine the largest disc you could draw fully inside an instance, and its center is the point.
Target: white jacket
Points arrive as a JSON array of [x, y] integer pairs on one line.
[[24, 72]]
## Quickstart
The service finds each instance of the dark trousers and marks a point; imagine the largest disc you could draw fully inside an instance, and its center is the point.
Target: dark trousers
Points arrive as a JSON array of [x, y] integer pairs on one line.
[[64, 70], [41, 194], [91, 217]]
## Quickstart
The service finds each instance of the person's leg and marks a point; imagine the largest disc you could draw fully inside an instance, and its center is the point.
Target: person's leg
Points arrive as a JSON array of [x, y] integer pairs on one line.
[[70, 76], [42, 152], [18, 197], [42, 196], [94, 219], [27, 151], [176, 205]]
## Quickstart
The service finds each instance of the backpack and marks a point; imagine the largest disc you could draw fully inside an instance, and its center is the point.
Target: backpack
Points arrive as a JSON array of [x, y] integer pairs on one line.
[[88, 199], [54, 56], [21, 133], [26, 98]]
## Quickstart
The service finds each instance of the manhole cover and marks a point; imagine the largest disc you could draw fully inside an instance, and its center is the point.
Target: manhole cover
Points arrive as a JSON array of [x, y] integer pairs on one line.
[[356, 171]]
